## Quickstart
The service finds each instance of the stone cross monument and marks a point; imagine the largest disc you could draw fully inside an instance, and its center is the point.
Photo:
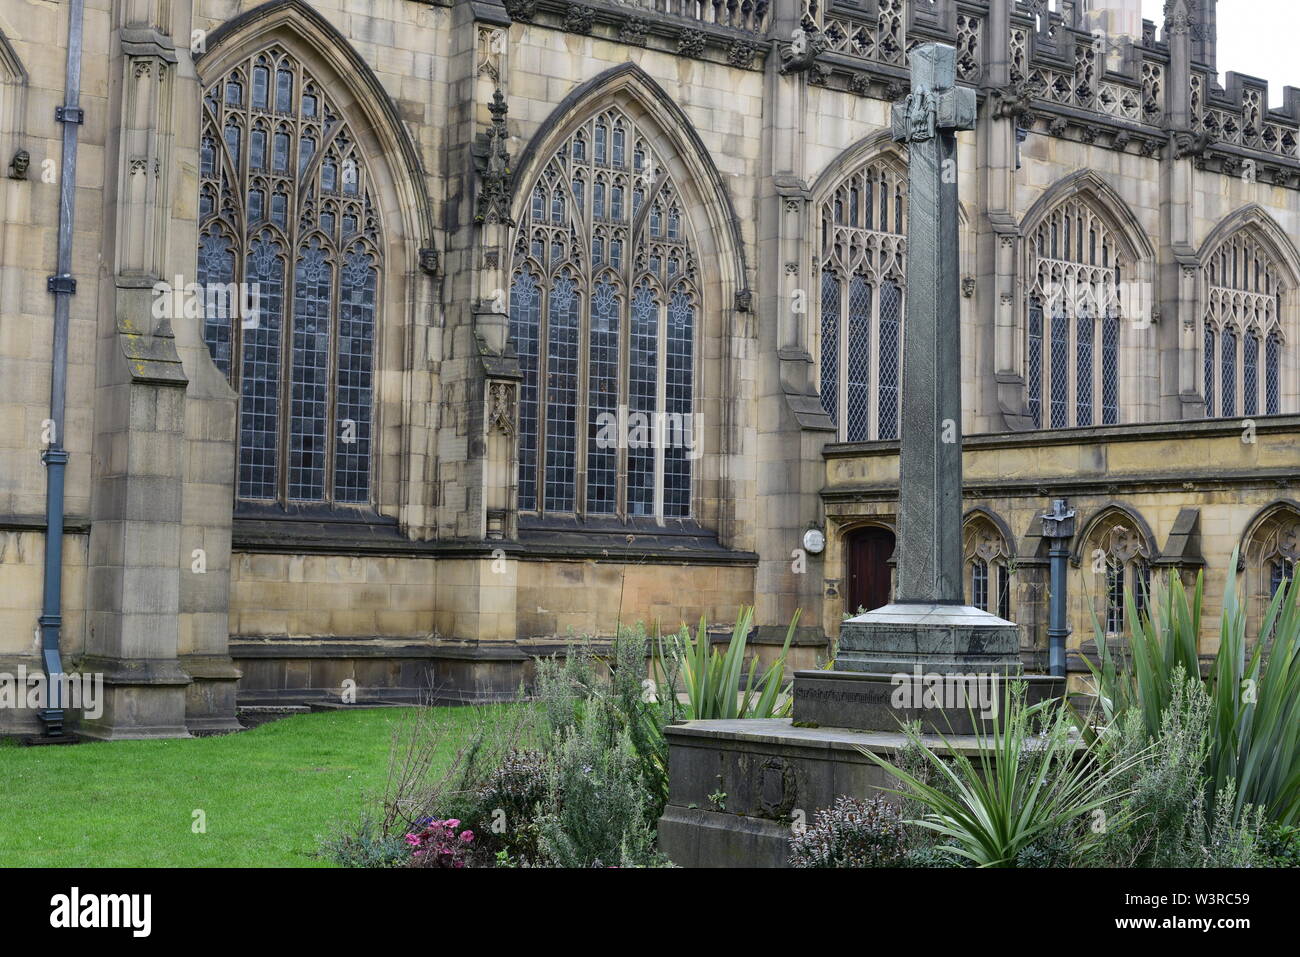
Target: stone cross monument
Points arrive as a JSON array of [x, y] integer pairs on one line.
[[928, 629], [929, 552]]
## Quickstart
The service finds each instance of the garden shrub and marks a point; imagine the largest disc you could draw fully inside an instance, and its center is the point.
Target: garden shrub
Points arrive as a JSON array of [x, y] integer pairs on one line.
[[1279, 845], [1173, 817], [509, 802], [852, 833], [365, 845], [596, 799], [436, 843]]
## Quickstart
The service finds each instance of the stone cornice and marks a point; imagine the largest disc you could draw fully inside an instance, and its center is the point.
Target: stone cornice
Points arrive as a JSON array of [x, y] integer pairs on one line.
[[1129, 432]]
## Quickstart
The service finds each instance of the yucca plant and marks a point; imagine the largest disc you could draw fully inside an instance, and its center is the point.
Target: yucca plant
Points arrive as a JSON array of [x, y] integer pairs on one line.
[[1033, 778], [1255, 696], [715, 683], [1162, 639], [1255, 720]]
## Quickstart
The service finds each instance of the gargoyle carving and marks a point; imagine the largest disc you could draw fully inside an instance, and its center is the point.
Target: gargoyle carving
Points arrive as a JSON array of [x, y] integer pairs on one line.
[[805, 46], [1191, 144]]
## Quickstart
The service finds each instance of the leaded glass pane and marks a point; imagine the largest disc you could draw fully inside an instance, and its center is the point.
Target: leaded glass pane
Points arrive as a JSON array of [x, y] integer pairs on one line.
[[1250, 375], [561, 395], [1083, 371], [1060, 362], [891, 314], [1210, 368], [642, 389], [259, 406], [680, 440], [216, 274], [525, 329], [1114, 596], [355, 357], [857, 422], [1141, 587], [1110, 370], [1035, 362], [1281, 572], [830, 351], [1004, 592], [979, 584], [602, 400], [1273, 375], [1228, 364], [309, 374]]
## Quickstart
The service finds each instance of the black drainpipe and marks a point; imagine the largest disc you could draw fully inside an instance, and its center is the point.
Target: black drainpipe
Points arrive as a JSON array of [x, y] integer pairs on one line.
[[63, 286]]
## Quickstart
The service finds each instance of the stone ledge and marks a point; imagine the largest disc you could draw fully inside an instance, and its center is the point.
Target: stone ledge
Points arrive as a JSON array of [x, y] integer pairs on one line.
[[768, 770]]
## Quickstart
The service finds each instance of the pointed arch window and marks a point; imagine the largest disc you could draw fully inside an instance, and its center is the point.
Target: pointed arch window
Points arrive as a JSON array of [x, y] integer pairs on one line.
[[1120, 559], [863, 282], [1073, 312], [988, 567], [290, 258], [1244, 302], [1270, 553], [604, 315]]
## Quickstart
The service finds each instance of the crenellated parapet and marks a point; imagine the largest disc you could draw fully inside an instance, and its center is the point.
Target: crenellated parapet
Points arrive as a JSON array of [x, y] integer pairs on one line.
[[1063, 73], [728, 31]]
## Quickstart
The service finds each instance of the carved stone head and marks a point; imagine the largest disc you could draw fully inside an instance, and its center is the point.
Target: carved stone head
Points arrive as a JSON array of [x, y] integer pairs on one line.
[[19, 164]]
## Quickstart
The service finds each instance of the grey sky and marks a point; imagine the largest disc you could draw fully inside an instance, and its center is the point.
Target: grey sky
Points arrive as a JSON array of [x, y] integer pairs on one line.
[[1256, 37]]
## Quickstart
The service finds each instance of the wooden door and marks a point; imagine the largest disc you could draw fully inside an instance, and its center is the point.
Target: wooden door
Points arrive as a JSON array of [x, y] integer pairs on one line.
[[869, 550]]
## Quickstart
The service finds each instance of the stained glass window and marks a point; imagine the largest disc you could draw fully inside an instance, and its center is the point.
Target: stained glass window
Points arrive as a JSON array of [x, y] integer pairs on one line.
[[863, 264], [1243, 310], [604, 314], [1072, 367], [288, 226]]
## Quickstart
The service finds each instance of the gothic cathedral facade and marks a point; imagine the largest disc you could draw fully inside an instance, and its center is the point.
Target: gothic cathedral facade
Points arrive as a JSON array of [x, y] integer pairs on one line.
[[406, 340]]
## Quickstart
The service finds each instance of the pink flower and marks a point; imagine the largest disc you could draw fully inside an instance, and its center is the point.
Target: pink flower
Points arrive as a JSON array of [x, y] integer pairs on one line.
[[467, 836], [412, 840]]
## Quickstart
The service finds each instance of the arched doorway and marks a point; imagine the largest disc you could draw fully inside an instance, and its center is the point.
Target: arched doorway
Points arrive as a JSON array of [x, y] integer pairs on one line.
[[867, 577]]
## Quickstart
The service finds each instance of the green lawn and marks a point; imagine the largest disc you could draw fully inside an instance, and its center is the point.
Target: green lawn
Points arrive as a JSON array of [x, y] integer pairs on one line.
[[270, 794]]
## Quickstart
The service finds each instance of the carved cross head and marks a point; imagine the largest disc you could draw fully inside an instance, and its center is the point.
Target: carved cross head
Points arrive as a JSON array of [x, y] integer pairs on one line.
[[936, 104]]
